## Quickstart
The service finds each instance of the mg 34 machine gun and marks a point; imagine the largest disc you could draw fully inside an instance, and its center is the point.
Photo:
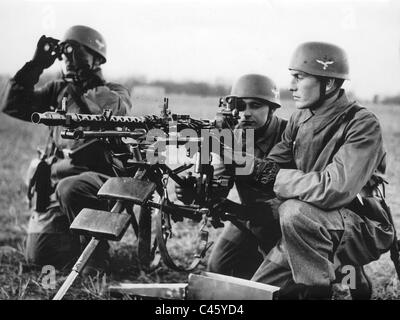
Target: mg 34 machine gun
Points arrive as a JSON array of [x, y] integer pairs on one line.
[[145, 177]]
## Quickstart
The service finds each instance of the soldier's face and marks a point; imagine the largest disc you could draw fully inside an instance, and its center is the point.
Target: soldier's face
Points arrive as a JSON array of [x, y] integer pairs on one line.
[[76, 57], [254, 113], [305, 89]]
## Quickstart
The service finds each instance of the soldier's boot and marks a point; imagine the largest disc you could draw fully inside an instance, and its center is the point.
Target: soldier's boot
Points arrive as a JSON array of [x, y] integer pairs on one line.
[[302, 292], [363, 289], [316, 293]]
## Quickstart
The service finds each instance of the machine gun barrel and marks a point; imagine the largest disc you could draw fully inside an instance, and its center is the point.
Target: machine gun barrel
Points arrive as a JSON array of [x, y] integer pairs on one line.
[[73, 120]]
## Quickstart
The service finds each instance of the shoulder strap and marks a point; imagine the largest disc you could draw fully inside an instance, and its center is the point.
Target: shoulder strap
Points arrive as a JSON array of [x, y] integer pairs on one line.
[[345, 119], [338, 130], [282, 127]]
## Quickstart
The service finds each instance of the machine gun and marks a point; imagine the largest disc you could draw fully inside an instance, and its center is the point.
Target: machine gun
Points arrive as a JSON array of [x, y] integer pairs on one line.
[[146, 179], [226, 118]]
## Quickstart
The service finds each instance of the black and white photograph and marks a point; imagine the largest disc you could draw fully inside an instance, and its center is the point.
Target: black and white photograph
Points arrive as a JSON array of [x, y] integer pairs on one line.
[[222, 151]]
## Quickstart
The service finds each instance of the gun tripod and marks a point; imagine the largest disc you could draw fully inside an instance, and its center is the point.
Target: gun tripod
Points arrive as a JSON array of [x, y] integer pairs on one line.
[[127, 192]]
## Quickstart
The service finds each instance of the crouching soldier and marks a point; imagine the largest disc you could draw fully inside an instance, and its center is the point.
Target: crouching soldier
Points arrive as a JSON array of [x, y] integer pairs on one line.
[[75, 179], [237, 252], [326, 172]]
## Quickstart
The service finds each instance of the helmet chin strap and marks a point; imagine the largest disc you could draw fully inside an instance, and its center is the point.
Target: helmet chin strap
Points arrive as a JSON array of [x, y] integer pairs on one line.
[[260, 131], [323, 96], [75, 78]]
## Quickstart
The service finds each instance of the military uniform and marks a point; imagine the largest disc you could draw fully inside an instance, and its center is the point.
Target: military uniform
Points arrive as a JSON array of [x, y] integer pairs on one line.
[[49, 240], [236, 252], [323, 169]]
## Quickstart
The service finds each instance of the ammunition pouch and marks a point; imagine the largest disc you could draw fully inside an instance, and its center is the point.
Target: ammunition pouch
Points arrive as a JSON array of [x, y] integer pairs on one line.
[[372, 204], [372, 208], [40, 184]]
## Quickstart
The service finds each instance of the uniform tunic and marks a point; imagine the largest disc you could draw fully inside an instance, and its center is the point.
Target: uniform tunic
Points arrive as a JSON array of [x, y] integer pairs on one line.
[[236, 253], [49, 240], [324, 167]]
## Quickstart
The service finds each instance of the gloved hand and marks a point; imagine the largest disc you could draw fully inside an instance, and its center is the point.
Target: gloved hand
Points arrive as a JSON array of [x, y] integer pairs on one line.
[[45, 54], [187, 191], [265, 172], [220, 206]]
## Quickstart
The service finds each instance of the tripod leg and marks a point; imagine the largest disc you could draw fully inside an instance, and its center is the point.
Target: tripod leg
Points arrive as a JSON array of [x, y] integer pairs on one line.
[[134, 222], [144, 236], [83, 259], [77, 268]]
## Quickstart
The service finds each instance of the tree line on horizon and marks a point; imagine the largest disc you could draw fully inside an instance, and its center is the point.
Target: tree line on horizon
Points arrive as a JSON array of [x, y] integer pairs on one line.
[[197, 88]]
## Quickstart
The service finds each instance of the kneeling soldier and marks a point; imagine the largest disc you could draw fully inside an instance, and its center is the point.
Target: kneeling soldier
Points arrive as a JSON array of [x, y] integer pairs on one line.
[[239, 253], [325, 171], [75, 179]]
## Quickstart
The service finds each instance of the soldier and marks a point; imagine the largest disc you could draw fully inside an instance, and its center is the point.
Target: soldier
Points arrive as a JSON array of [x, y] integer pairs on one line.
[[325, 171], [78, 169], [239, 253]]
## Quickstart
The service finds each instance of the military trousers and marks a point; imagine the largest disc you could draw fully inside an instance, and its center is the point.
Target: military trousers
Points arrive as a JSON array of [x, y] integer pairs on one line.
[[235, 254], [315, 243], [239, 252], [49, 240]]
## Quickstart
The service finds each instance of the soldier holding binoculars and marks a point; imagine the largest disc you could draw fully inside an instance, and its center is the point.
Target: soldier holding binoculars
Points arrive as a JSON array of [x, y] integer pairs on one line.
[[65, 184]]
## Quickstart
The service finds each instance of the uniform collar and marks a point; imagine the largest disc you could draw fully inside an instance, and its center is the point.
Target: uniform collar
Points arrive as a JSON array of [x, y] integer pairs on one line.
[[328, 113], [265, 140], [99, 73], [334, 108]]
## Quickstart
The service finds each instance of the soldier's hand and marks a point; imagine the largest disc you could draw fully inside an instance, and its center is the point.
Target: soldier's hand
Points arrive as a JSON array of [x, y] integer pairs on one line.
[[45, 53], [219, 206], [265, 172], [186, 192]]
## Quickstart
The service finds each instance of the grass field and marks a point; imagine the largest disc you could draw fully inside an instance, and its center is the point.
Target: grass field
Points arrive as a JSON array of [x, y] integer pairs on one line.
[[18, 142]]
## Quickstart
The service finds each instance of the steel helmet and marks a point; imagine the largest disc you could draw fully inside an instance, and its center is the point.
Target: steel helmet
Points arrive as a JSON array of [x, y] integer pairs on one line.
[[256, 86], [321, 59], [89, 38]]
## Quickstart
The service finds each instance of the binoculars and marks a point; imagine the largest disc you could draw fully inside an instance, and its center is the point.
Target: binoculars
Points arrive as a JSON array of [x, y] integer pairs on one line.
[[58, 49], [232, 103]]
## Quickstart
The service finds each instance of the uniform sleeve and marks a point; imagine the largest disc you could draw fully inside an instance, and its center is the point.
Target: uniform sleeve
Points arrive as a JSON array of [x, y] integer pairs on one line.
[[282, 152], [110, 96], [350, 169], [22, 99]]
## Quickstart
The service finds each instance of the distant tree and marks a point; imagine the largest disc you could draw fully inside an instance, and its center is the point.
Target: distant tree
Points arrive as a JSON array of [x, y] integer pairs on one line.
[[199, 88], [191, 88], [391, 100]]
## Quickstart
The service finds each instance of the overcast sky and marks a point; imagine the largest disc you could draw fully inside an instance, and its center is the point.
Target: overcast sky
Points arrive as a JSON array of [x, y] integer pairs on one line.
[[215, 40]]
